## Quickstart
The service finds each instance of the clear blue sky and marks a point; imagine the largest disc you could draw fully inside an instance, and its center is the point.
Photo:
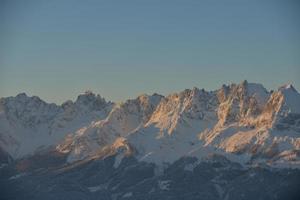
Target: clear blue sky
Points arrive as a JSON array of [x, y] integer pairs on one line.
[[57, 49]]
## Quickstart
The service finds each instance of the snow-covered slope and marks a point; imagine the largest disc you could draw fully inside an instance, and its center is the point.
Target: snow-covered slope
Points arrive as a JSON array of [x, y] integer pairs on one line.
[[243, 121], [123, 119], [28, 123]]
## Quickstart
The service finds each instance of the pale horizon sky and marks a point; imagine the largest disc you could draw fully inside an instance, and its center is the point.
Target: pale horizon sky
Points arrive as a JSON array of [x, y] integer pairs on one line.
[[119, 49]]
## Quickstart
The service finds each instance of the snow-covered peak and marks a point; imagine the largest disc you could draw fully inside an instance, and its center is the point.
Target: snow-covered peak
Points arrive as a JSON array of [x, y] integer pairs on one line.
[[28, 111], [239, 101], [142, 106], [284, 101], [283, 109], [90, 101], [146, 99], [28, 123], [178, 108], [245, 89], [291, 98]]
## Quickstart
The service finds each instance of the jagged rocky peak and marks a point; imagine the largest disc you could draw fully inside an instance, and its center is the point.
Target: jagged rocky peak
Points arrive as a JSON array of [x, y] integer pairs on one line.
[[241, 100], [284, 101], [91, 101], [86, 103], [23, 101], [283, 109], [177, 108], [242, 91], [198, 101], [184, 100], [134, 111], [291, 98], [148, 104], [29, 111], [146, 99]]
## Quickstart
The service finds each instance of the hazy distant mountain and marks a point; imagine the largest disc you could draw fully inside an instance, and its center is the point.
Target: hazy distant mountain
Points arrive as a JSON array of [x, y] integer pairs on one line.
[[194, 144]]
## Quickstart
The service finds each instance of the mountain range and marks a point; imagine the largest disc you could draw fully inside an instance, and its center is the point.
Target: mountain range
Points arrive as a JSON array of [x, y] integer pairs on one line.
[[236, 142]]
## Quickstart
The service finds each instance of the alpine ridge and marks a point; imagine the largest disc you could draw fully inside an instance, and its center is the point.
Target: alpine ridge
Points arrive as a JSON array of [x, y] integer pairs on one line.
[[244, 122]]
